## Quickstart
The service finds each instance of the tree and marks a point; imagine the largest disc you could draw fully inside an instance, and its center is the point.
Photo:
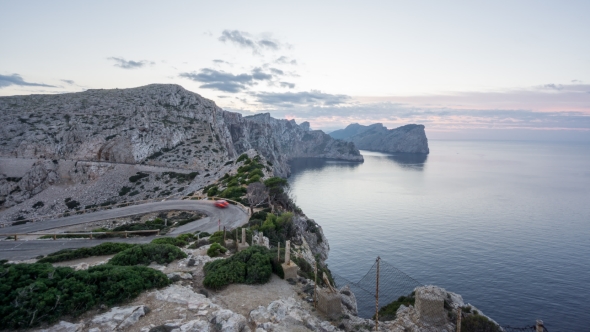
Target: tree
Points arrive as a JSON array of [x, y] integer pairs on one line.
[[278, 193], [256, 194]]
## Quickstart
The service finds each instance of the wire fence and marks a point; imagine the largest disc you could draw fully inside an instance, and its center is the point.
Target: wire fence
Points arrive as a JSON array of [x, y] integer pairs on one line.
[[384, 284]]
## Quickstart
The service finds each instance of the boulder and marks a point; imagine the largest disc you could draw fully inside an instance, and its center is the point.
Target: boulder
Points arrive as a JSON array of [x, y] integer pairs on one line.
[[120, 318]]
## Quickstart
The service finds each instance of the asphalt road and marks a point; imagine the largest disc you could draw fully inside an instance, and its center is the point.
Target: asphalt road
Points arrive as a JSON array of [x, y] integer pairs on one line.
[[230, 217]]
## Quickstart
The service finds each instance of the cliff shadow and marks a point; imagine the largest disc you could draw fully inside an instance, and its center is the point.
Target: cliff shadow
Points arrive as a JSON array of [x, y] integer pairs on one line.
[[300, 165]]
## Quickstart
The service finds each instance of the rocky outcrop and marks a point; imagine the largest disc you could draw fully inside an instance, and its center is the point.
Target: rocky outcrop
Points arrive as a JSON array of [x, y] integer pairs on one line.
[[17, 190], [281, 140], [406, 139]]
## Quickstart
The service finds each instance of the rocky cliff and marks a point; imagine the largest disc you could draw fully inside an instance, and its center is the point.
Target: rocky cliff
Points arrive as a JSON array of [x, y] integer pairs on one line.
[[281, 140], [158, 128], [406, 139], [156, 124]]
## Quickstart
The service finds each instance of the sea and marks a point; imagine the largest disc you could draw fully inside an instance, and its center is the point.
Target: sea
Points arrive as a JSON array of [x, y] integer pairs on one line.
[[505, 224]]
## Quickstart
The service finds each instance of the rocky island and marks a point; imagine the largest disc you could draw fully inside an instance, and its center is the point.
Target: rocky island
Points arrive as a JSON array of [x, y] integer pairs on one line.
[[405, 139]]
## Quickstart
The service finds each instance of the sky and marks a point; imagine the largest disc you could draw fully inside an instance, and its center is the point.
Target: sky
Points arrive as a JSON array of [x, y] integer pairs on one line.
[[464, 69]]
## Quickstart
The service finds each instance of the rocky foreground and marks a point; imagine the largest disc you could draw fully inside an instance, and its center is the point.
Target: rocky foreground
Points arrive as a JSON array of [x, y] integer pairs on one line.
[[406, 139], [280, 305]]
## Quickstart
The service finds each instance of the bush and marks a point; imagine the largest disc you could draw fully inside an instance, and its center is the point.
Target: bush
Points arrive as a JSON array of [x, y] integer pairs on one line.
[[107, 248], [389, 311], [185, 237], [217, 237], [36, 293], [242, 158], [144, 254], [251, 266], [138, 176], [478, 323], [212, 191], [124, 191], [215, 250], [233, 192], [170, 240]]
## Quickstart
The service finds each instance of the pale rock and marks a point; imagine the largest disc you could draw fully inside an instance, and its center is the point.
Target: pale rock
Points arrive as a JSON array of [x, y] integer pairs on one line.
[[228, 321], [406, 139], [64, 326], [120, 318]]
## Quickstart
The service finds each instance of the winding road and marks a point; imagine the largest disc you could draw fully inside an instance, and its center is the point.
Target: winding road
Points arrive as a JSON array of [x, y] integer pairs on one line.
[[230, 217]]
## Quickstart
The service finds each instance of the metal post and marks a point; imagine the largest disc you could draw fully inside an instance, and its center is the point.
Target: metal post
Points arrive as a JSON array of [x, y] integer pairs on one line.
[[540, 326], [459, 314], [315, 285], [377, 297]]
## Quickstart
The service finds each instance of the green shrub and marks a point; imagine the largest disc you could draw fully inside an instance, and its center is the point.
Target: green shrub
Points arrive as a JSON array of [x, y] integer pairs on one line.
[[185, 237], [251, 266], [138, 176], [478, 323], [233, 192], [124, 191], [144, 254], [215, 250], [389, 311], [36, 293], [216, 237], [212, 191], [106, 248], [242, 158], [170, 240]]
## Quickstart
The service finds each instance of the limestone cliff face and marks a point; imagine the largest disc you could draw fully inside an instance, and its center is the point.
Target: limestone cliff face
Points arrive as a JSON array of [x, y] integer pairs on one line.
[[406, 139], [281, 140], [158, 124]]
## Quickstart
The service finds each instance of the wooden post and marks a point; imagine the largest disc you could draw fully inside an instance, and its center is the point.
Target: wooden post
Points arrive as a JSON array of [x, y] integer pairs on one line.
[[377, 297], [540, 326], [315, 285], [459, 314]]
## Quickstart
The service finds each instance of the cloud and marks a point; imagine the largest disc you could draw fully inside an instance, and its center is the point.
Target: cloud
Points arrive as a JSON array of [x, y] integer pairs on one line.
[[290, 99], [287, 85], [285, 61], [16, 79], [70, 82], [576, 81], [227, 82], [276, 71], [129, 64], [219, 61], [553, 86], [246, 40]]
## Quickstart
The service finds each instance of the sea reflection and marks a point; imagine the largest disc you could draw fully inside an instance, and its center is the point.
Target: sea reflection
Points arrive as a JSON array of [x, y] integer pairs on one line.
[[299, 165], [410, 161]]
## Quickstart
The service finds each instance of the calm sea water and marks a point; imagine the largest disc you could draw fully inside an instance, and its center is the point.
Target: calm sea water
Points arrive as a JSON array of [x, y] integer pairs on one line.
[[504, 224]]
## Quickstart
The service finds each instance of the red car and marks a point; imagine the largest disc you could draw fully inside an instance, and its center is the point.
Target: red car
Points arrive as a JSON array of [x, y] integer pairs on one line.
[[221, 204]]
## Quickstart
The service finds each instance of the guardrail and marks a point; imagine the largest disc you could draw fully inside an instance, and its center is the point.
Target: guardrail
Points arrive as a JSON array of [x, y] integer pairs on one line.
[[94, 209], [55, 235]]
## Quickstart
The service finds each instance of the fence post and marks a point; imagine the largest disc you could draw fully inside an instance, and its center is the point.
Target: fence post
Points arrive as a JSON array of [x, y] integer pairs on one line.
[[540, 327], [315, 285], [377, 297], [459, 314]]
